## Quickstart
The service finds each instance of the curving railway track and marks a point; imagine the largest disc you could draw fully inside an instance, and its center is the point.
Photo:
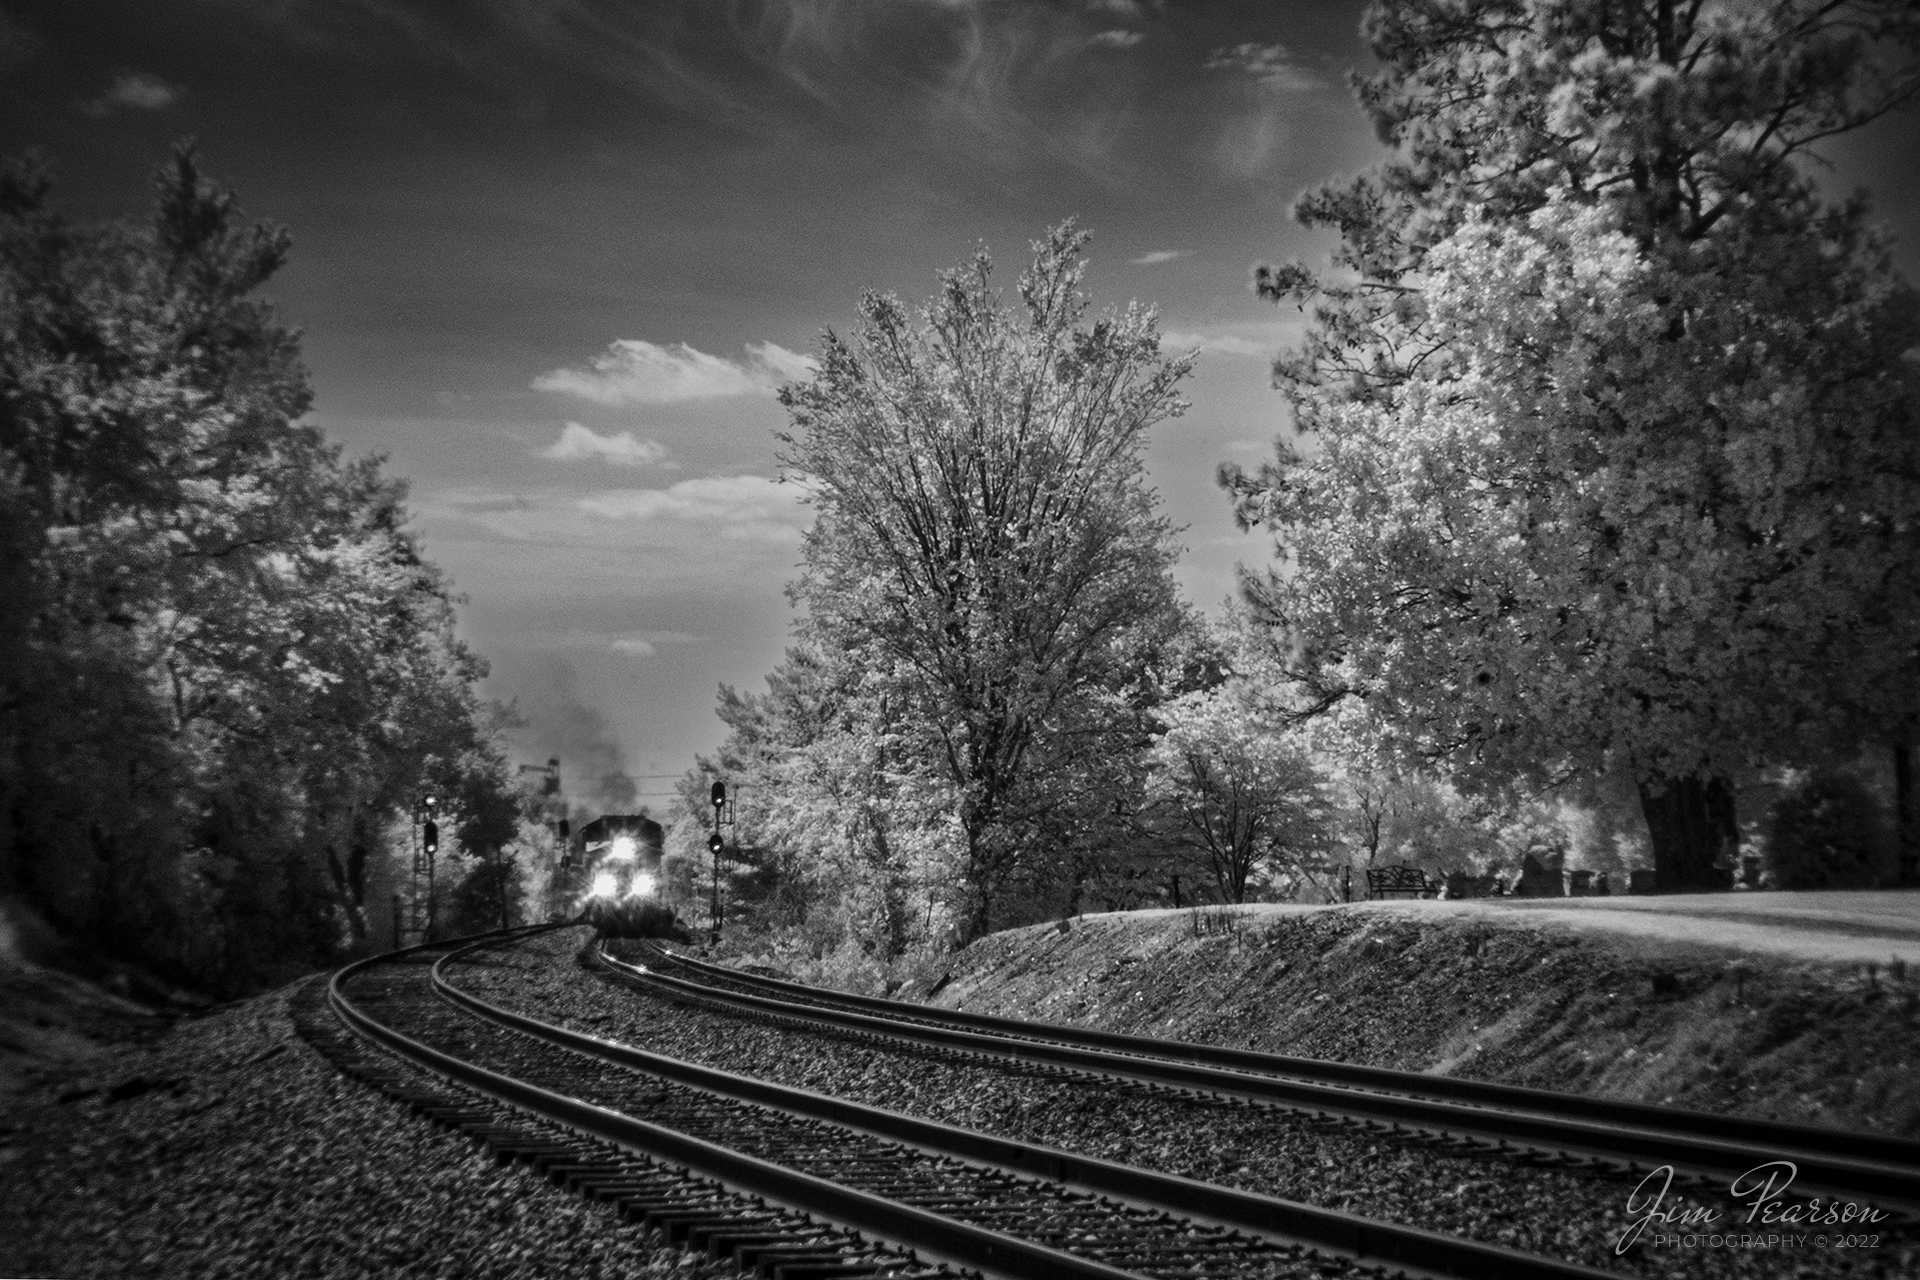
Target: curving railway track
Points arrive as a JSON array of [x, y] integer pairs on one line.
[[795, 1183], [1602, 1133]]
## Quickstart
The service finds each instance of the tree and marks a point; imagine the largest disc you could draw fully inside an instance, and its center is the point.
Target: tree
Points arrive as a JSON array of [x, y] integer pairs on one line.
[[984, 535], [227, 665], [1612, 454], [1825, 831], [1237, 791]]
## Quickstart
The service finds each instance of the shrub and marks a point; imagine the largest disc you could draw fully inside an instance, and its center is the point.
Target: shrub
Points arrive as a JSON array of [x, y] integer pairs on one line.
[[1826, 831]]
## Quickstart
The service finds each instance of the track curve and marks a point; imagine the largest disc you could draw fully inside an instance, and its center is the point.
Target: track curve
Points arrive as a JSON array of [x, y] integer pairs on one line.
[[932, 1193], [1630, 1135]]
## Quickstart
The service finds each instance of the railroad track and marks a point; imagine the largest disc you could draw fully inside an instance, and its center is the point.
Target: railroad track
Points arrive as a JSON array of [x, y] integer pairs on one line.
[[1627, 1136], [791, 1183]]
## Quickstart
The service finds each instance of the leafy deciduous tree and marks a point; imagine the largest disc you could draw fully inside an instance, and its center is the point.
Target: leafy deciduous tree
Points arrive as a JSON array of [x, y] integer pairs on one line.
[[984, 535], [1237, 790], [1613, 454], [227, 664]]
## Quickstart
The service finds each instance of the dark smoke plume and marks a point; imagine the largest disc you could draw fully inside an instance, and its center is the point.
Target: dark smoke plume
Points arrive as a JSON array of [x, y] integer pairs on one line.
[[592, 767]]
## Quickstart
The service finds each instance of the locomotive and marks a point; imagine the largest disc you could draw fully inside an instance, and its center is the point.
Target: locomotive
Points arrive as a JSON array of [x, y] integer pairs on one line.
[[622, 856]]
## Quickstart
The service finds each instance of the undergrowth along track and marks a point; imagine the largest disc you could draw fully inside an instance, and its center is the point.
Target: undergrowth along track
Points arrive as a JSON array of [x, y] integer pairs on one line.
[[1625, 1135]]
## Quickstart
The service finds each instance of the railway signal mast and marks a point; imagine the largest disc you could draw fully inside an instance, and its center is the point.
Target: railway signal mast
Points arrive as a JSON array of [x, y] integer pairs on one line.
[[427, 833], [719, 794]]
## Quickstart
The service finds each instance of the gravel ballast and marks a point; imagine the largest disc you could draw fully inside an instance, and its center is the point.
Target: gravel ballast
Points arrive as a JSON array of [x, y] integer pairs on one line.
[[1494, 1199], [234, 1149], [228, 1146]]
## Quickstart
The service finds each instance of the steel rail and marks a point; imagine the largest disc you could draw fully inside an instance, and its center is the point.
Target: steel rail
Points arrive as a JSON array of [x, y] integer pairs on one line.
[[1410, 1249], [1892, 1184], [1741, 1129], [941, 1238]]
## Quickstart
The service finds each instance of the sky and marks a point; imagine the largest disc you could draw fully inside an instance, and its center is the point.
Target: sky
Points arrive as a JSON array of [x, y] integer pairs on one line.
[[553, 257]]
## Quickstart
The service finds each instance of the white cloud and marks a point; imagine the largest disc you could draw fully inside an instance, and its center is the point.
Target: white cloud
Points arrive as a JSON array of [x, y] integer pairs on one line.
[[1225, 344], [1273, 65], [578, 442], [1158, 256], [644, 644], [134, 91], [1116, 39], [634, 644], [723, 537], [739, 507], [1262, 340], [632, 371], [785, 365]]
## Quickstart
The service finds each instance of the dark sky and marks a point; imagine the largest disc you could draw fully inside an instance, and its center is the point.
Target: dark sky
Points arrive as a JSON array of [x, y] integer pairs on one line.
[[552, 256]]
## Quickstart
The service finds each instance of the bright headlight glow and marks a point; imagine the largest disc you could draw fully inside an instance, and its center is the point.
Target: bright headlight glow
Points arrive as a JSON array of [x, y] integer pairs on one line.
[[604, 885], [622, 849], [641, 885]]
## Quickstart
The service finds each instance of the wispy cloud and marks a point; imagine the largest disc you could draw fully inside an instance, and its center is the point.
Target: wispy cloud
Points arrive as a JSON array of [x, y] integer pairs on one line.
[[726, 536], [632, 372], [1272, 65], [634, 643], [751, 508], [689, 513], [579, 443], [134, 91], [787, 366], [1157, 256], [979, 80], [1263, 341], [1119, 38]]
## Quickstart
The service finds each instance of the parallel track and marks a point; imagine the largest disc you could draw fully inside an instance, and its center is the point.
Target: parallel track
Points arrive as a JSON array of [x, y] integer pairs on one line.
[[928, 1192], [1878, 1168]]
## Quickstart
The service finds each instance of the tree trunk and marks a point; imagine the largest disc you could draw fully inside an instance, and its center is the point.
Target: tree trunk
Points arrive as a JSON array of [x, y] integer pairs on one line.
[[975, 925], [500, 865], [1693, 827], [977, 891], [1906, 816]]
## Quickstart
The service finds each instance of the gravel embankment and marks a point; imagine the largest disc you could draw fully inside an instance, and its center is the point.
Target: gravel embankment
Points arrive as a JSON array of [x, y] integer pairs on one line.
[[249, 1155], [1568, 1215]]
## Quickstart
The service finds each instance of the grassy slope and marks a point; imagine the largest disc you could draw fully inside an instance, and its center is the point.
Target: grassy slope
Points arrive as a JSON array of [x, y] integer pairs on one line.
[[1522, 1004]]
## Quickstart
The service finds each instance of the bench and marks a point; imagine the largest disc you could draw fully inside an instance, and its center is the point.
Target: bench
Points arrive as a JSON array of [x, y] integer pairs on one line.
[[1399, 881]]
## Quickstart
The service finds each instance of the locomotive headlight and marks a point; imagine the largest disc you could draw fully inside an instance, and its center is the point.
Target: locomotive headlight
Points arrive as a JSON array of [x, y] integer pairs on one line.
[[641, 886], [604, 885], [622, 850]]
